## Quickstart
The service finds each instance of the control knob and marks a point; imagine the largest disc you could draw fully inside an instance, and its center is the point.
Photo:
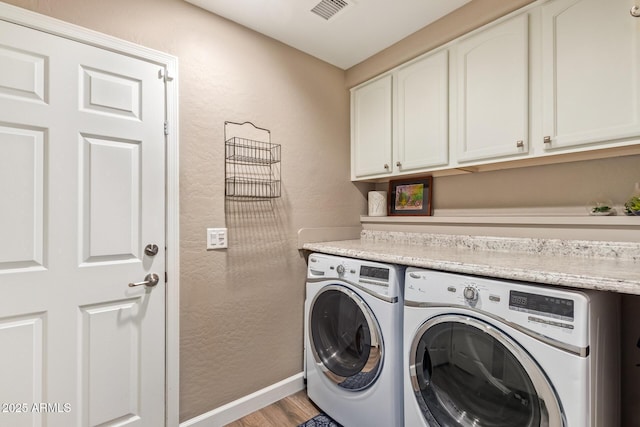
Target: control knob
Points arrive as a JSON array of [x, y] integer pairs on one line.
[[340, 269], [470, 294]]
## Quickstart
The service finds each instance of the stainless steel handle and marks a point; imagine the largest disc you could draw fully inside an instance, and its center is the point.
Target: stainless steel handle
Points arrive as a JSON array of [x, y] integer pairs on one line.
[[520, 144], [151, 249], [635, 11], [547, 140], [150, 280]]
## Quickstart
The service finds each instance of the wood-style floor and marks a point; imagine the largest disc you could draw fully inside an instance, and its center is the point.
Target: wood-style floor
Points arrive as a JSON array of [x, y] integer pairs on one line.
[[288, 412]]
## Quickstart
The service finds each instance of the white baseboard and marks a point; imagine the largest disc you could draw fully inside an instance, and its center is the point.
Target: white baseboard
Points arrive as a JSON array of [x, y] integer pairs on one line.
[[244, 406]]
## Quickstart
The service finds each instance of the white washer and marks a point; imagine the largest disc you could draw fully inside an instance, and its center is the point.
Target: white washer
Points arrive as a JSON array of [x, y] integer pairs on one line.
[[353, 340], [484, 352]]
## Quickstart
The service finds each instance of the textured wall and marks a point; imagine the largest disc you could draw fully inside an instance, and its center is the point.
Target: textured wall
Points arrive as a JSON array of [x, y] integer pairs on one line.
[[241, 308]]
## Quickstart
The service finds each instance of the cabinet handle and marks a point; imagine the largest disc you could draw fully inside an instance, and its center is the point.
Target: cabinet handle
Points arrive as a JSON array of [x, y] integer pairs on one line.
[[520, 144], [386, 166], [635, 11], [398, 164], [547, 140]]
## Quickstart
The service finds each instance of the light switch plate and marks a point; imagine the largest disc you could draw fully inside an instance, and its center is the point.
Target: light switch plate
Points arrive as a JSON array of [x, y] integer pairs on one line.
[[216, 238]]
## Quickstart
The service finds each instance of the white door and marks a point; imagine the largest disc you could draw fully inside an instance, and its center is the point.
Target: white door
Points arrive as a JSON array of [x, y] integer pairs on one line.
[[423, 113], [371, 136], [82, 192], [590, 69], [492, 114]]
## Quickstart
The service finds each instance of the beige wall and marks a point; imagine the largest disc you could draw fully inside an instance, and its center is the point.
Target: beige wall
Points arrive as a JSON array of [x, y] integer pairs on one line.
[[241, 308], [558, 187]]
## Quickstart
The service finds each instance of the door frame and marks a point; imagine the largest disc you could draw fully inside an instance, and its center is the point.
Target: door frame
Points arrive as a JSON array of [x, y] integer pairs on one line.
[[83, 35]]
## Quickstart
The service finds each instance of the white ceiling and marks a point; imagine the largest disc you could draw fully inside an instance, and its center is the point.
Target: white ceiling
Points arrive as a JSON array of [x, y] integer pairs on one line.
[[358, 31]]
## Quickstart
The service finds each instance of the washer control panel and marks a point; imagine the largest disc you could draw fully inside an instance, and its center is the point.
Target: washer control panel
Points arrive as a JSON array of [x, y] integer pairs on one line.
[[377, 278]]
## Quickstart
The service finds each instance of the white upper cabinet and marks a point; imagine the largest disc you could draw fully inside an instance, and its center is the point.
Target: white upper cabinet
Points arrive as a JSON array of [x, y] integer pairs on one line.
[[422, 113], [590, 73], [492, 92], [371, 128], [557, 77]]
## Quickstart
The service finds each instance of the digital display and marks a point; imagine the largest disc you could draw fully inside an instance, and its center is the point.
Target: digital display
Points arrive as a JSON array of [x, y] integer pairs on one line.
[[561, 308], [377, 273], [519, 300]]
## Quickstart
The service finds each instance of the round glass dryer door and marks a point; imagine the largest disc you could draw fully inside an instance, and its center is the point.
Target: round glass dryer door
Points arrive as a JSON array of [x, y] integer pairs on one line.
[[465, 372], [345, 338]]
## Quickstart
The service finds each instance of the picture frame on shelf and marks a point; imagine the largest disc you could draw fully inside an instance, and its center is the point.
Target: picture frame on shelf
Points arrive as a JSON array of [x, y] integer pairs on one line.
[[410, 197]]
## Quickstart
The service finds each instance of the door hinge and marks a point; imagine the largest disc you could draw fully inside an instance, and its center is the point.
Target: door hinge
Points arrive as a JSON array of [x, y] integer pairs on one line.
[[164, 74], [166, 128]]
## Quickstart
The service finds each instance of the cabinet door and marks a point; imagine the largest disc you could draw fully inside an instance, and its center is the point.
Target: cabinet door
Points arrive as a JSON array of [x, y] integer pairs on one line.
[[371, 129], [423, 113], [590, 72], [493, 92]]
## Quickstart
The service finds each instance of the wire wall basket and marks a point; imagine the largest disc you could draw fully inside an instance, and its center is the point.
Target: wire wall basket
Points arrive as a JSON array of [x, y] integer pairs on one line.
[[252, 165]]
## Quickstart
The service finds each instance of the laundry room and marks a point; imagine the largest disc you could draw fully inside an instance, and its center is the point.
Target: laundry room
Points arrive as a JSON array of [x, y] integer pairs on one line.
[[235, 320]]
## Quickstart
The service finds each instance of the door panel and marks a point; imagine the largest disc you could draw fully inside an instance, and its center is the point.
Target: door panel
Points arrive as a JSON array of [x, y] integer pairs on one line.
[[21, 220], [82, 192], [110, 93], [23, 75], [111, 200], [22, 368], [109, 362]]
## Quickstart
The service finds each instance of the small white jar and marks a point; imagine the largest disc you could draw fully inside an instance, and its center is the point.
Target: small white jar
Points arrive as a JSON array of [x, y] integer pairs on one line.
[[377, 203]]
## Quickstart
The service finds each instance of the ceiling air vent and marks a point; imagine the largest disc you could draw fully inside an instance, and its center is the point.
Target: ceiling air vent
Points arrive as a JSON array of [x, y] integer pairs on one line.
[[327, 8]]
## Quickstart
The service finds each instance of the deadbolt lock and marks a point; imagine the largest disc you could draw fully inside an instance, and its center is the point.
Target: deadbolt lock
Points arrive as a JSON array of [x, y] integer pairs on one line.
[[151, 249]]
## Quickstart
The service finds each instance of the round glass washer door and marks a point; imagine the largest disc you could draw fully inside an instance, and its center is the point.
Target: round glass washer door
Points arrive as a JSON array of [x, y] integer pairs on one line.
[[465, 372], [345, 338]]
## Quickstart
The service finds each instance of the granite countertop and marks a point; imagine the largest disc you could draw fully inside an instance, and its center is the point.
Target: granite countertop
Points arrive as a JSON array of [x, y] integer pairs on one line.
[[608, 266]]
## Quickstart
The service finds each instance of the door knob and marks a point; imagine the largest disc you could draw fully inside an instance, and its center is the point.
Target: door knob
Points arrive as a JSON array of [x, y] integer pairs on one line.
[[150, 280], [635, 12], [151, 249]]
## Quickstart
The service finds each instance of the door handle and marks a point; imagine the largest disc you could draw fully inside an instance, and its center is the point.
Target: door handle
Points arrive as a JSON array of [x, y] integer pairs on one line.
[[150, 280]]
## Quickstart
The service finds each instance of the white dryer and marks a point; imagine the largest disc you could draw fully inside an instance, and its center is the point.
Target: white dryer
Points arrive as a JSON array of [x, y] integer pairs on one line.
[[483, 352], [353, 340]]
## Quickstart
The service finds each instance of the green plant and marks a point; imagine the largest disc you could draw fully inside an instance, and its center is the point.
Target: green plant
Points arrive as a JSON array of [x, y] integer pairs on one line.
[[632, 205], [600, 209]]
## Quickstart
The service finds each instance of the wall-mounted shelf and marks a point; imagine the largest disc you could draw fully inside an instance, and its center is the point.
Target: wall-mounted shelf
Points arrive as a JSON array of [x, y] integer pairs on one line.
[[252, 164], [589, 221]]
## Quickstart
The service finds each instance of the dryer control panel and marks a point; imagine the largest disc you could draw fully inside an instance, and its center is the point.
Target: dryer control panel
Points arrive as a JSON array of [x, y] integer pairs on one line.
[[555, 313]]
